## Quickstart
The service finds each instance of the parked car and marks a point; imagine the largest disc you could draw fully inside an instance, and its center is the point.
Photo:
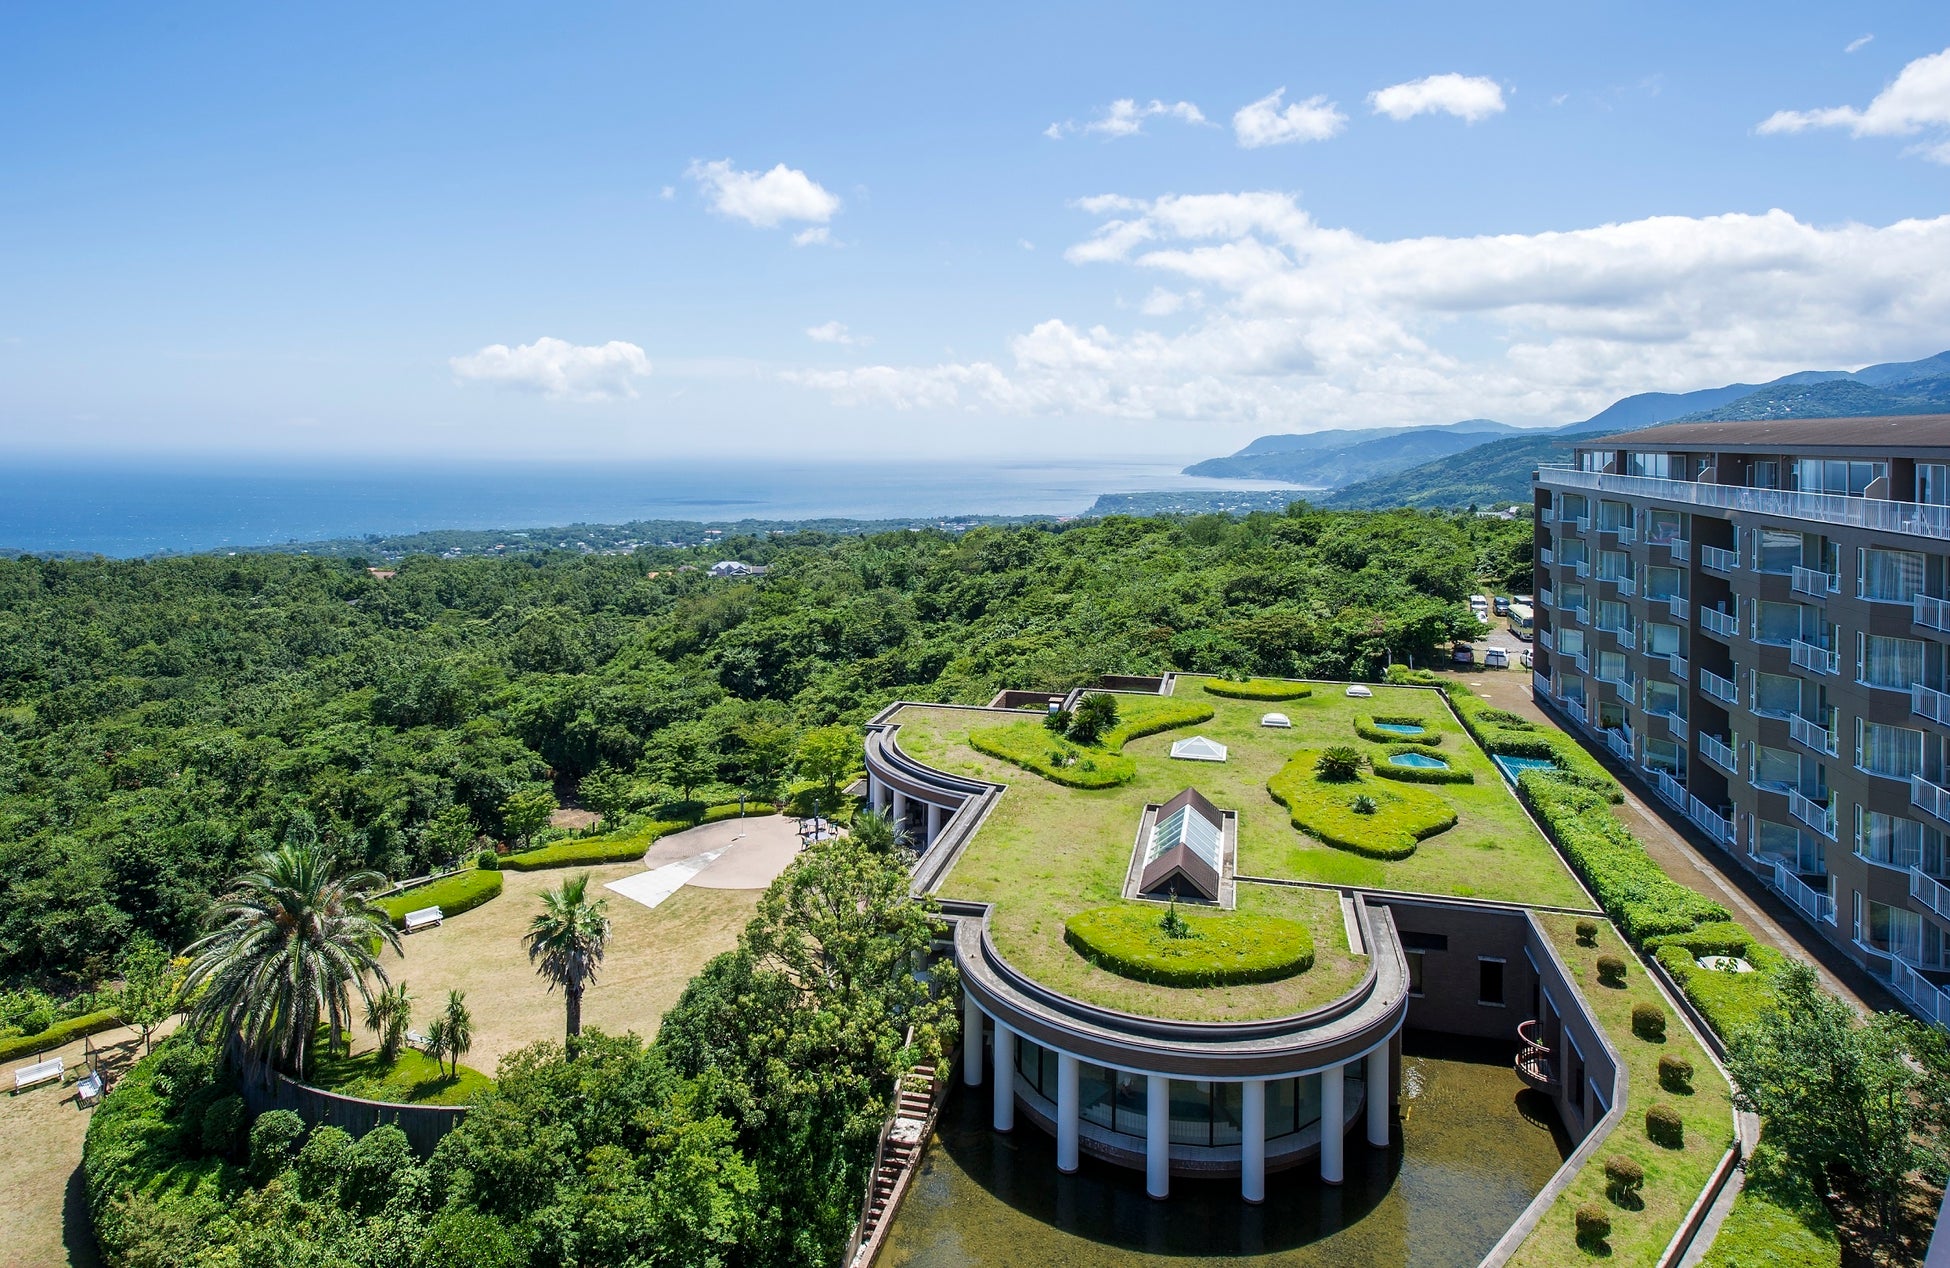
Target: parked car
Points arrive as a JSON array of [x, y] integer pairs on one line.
[[1502, 604], [1465, 654], [1496, 658], [1525, 658]]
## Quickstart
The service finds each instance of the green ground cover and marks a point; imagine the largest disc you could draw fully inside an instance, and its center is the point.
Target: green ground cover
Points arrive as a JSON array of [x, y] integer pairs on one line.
[[462, 891], [1412, 774], [1035, 747], [1325, 809], [413, 1079], [1215, 948], [1364, 726], [1673, 1177], [1258, 689]]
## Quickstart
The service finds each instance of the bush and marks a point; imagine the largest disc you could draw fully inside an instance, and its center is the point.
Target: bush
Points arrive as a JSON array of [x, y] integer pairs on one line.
[[1222, 948], [1340, 764], [1362, 804], [1096, 715], [1420, 774], [1404, 815], [1649, 1021], [1587, 933], [372, 1167], [1623, 1179], [623, 847], [488, 861], [1729, 1001], [1594, 1226], [1611, 970], [1057, 720], [452, 894], [1675, 1074], [1365, 727], [1056, 759], [274, 1138], [321, 1163], [223, 1126], [1258, 689], [1715, 937], [1663, 1127], [61, 1032]]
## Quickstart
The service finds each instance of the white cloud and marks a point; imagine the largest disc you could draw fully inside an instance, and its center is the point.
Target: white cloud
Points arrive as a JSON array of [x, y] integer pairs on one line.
[[1300, 325], [1471, 98], [667, 193], [1918, 101], [765, 199], [836, 332], [557, 368], [1859, 43], [1125, 117], [1267, 122], [817, 236]]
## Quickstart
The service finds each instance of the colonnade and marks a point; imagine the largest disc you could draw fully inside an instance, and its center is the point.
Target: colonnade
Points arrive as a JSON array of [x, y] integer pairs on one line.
[[897, 805], [1157, 1120]]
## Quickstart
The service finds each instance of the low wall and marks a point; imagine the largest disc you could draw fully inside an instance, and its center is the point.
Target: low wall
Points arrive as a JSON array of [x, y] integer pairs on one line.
[[424, 1125]]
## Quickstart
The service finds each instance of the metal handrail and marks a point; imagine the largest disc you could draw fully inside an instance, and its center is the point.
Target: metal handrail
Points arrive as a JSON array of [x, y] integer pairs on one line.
[[1912, 518]]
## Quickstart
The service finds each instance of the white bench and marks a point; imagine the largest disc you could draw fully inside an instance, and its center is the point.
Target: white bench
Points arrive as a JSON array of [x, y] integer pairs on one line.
[[425, 918], [48, 1071], [89, 1090]]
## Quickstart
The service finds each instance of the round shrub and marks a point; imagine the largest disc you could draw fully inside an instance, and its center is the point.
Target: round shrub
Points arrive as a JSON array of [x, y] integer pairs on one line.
[[274, 1138], [223, 1126], [322, 1162], [1623, 1179], [372, 1167], [1649, 1022], [1611, 970], [1339, 764], [1663, 1127], [1215, 949], [1587, 933], [1594, 1226], [488, 861], [1675, 1074]]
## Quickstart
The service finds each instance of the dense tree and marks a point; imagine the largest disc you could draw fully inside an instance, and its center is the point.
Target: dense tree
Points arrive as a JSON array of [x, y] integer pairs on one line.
[[151, 986]]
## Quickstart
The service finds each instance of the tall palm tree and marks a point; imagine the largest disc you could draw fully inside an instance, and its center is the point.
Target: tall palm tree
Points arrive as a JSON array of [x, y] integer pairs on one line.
[[389, 1014], [568, 940], [287, 947]]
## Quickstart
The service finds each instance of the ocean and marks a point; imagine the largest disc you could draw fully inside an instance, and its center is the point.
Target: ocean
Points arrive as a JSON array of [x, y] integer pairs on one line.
[[126, 509]]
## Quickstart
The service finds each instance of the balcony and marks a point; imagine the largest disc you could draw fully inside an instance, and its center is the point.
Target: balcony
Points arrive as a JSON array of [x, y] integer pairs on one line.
[[1929, 891], [1620, 743], [1545, 598], [1714, 621], [1815, 583], [1719, 688], [1710, 821], [1924, 996], [1670, 790], [1546, 515], [1929, 798], [1679, 547], [1718, 560], [1626, 638], [1545, 557], [1540, 682], [1582, 661], [1910, 518], [1576, 709], [1679, 606], [1581, 615], [1811, 902], [1627, 586], [1812, 734], [1815, 659], [1546, 640], [1676, 666], [1931, 614], [1625, 533], [1816, 814], [1582, 567], [1580, 523], [1719, 752], [1928, 702]]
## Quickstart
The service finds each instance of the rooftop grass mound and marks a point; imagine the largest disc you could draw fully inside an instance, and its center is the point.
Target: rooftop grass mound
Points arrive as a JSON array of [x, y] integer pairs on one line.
[[453, 894], [1139, 716], [1258, 689], [1368, 727], [1376, 818], [412, 1078], [1216, 948], [1061, 761]]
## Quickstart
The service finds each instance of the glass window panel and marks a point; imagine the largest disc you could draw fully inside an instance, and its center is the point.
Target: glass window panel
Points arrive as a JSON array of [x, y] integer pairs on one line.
[[1663, 526], [1306, 1090], [1664, 697], [1573, 596], [1611, 665], [1662, 583], [1614, 564], [1893, 840], [1777, 767], [1778, 550], [1029, 1062], [1893, 576], [1777, 841], [1779, 622], [1933, 483], [1612, 615], [1662, 640], [1891, 662], [1777, 693], [1228, 1113], [1283, 1105], [1132, 1102], [1095, 1094], [1889, 750], [1191, 1112], [1570, 641]]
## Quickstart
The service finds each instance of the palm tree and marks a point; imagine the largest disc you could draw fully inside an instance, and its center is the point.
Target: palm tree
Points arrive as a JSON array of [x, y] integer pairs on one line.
[[389, 1012], [568, 939], [879, 832], [456, 1027], [287, 947]]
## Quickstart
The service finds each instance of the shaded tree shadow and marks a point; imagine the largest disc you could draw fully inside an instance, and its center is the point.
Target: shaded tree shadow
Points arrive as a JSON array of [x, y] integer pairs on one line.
[[77, 1228]]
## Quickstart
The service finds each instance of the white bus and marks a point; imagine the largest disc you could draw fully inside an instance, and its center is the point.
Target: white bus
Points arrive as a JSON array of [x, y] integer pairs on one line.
[[1522, 620]]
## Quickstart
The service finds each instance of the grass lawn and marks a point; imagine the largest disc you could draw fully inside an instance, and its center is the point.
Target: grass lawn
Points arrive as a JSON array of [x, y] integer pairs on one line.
[[414, 1079], [1673, 1177]]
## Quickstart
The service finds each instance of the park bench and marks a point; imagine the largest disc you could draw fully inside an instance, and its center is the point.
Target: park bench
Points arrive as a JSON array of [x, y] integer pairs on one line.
[[89, 1090], [417, 1041], [425, 918], [48, 1071]]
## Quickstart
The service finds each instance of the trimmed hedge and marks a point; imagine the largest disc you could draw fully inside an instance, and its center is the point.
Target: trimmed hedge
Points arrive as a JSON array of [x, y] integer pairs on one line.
[[1365, 727], [1034, 748], [454, 894], [1139, 716], [1715, 937], [1421, 774], [1403, 816], [625, 847], [1258, 689], [1226, 948], [1730, 1002], [61, 1032], [1501, 732]]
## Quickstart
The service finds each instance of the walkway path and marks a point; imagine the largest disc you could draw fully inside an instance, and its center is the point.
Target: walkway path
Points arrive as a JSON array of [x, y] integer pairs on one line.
[[1699, 866]]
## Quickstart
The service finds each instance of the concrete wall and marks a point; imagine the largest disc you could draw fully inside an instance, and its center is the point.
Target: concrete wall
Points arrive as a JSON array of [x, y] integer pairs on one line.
[[424, 1125]]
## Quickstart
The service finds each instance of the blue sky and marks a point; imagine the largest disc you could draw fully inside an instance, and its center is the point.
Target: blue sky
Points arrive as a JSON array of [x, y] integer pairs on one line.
[[583, 231]]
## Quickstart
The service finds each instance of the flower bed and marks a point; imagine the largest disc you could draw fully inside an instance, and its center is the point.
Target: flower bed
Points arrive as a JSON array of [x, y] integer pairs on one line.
[[1221, 949]]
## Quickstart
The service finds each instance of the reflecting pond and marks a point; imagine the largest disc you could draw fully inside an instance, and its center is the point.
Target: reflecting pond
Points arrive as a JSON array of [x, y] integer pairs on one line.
[[1474, 1146]]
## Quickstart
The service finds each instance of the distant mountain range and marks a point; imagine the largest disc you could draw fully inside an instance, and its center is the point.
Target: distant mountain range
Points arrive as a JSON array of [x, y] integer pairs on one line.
[[1482, 462]]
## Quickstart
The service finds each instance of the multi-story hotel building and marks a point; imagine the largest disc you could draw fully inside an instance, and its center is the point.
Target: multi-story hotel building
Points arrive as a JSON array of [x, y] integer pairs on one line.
[[1755, 617]]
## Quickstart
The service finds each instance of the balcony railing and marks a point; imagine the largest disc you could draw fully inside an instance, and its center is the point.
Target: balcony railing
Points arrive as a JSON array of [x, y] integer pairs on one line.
[[1827, 508], [1813, 734], [1817, 815], [1812, 902], [1717, 687], [1626, 638], [1546, 597], [1545, 557], [1582, 567], [1815, 583], [1576, 709], [1928, 702], [1581, 615], [1719, 752], [1714, 621], [1540, 682], [1669, 789], [1931, 614], [1676, 666], [1626, 533], [1678, 546], [1619, 742], [1546, 640], [1813, 658], [1921, 994], [1545, 515], [1678, 605], [1719, 559], [1929, 891], [1580, 523], [1710, 821], [1627, 586], [1929, 798]]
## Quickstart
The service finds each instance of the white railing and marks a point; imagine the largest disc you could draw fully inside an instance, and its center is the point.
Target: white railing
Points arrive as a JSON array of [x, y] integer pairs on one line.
[[1710, 821], [1582, 567], [1626, 638], [1931, 614], [1929, 798], [1719, 688], [1626, 534], [1581, 615], [1627, 586], [1622, 680], [1580, 523], [1576, 709], [1546, 640], [1545, 515], [1928, 999], [1929, 891], [1619, 742], [1546, 597], [1827, 508], [1670, 789], [1814, 658], [1813, 734], [1674, 723], [1719, 752], [1817, 815], [1678, 547], [1725, 624], [1676, 666], [1930, 703], [1540, 682], [1719, 559], [1815, 583], [1812, 902], [1545, 557], [1679, 606]]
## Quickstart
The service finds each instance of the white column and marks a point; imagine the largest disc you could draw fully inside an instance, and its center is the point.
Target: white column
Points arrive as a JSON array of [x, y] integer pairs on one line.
[[883, 800], [1005, 1078], [971, 1040], [935, 815], [1333, 1121], [1067, 1096], [1252, 1141], [1157, 1135], [900, 808], [1380, 1093]]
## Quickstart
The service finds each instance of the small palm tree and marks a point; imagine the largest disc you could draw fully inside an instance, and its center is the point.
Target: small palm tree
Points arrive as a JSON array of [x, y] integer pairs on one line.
[[879, 832], [288, 945], [452, 1032], [1339, 764], [389, 1013], [567, 940]]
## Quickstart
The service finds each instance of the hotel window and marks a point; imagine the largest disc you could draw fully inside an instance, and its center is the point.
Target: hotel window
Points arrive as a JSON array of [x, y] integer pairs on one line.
[[1593, 460], [1829, 475], [1575, 507], [1888, 576], [1664, 526], [1778, 623], [1903, 934], [1933, 483], [1572, 596], [1665, 697], [1613, 615], [1895, 663], [1896, 841], [1489, 981], [1784, 843], [1894, 751], [1661, 640], [1764, 475], [1663, 583], [1777, 550], [1611, 715], [1570, 641], [1614, 515], [1664, 755], [1612, 665], [1614, 565], [1656, 465], [1571, 551], [1777, 695], [1776, 769]]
